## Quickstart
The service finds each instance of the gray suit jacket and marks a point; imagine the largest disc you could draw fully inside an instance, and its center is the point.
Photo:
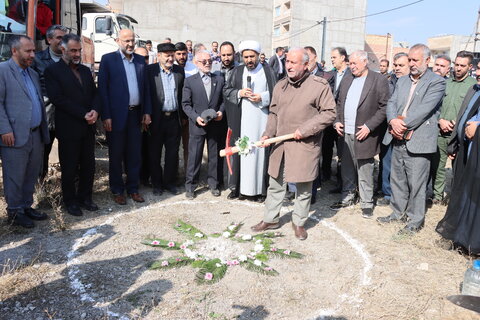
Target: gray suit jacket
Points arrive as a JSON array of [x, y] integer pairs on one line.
[[16, 106], [422, 115]]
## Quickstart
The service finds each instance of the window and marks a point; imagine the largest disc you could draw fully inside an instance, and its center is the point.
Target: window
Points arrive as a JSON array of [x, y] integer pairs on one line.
[[84, 23], [123, 23], [101, 25], [276, 31], [277, 11]]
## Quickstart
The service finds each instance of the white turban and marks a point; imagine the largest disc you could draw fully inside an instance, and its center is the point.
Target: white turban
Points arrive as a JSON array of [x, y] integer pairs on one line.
[[250, 45]]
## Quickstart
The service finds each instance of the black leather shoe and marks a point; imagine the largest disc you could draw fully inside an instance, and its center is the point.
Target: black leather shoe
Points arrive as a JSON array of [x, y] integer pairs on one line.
[[18, 218], [89, 205], [409, 230], [342, 204], [173, 190], [35, 214], [389, 219], [74, 210], [157, 191], [367, 213], [232, 195], [215, 192], [190, 195]]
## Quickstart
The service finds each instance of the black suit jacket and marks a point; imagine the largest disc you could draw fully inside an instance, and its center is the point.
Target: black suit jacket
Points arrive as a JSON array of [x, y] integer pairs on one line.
[[71, 98], [275, 65], [195, 101], [157, 95]]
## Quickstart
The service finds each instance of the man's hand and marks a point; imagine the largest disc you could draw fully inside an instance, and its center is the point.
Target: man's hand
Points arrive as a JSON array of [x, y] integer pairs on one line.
[[445, 126], [201, 122], [107, 125], [339, 128], [297, 135], [219, 116], [255, 98], [245, 93], [8, 139], [363, 133], [91, 116], [471, 128], [263, 138], [398, 128], [452, 156]]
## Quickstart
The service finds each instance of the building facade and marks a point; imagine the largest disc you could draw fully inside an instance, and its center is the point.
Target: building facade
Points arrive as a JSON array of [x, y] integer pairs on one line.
[[450, 45], [381, 47]]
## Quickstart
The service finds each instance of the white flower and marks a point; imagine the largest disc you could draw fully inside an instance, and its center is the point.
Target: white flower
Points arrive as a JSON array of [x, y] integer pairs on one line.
[[257, 263], [242, 258], [258, 247], [189, 253], [226, 234], [246, 237], [223, 261], [218, 265], [258, 241], [188, 243], [231, 227], [199, 235]]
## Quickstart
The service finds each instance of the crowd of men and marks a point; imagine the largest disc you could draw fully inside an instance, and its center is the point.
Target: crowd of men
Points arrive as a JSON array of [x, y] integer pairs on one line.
[[151, 100]]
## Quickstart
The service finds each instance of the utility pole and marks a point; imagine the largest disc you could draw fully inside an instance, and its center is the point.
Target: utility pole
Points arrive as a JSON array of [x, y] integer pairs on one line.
[[324, 23]]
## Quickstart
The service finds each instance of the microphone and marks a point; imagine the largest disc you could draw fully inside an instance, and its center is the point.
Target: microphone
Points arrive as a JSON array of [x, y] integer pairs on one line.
[[249, 82]]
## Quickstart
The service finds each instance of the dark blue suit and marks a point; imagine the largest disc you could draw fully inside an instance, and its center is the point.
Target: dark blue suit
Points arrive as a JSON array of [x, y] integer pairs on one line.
[[124, 141], [194, 102]]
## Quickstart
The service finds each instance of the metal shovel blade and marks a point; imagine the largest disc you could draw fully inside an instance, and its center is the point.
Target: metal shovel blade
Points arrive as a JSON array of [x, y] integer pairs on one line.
[[467, 302]]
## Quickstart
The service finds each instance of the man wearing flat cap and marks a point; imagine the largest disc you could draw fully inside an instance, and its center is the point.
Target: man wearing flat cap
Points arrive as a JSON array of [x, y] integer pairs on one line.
[[203, 103], [165, 82], [247, 94]]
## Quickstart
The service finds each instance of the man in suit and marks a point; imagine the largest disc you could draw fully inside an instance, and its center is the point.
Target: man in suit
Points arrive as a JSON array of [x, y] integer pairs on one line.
[[72, 90], [362, 98], [165, 81], [412, 116], [203, 91], [23, 131], [125, 107], [52, 54], [277, 63]]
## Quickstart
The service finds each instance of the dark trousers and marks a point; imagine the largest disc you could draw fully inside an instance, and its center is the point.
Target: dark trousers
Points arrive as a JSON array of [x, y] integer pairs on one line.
[[386, 165], [21, 167], [168, 135], [124, 151], [328, 141], [46, 153], [77, 159], [195, 153]]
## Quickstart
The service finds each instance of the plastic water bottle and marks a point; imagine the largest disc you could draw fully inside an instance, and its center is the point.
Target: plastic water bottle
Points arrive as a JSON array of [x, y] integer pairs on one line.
[[471, 282]]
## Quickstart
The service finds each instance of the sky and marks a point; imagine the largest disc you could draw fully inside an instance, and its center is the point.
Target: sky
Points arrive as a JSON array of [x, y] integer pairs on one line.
[[420, 21]]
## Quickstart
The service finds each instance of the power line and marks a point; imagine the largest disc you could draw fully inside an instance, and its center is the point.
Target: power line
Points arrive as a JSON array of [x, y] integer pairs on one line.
[[349, 19]]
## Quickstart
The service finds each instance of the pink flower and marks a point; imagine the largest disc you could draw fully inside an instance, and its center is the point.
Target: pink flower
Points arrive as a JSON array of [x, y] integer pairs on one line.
[[268, 268], [178, 259], [178, 225], [274, 249], [155, 243], [235, 262], [208, 276], [286, 252], [164, 263], [171, 244], [183, 246]]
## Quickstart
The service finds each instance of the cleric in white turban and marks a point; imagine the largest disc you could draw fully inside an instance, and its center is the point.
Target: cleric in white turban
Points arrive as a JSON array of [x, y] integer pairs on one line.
[[248, 92]]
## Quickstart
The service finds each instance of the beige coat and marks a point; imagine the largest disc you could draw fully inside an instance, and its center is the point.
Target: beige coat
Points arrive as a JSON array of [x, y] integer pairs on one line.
[[307, 105]]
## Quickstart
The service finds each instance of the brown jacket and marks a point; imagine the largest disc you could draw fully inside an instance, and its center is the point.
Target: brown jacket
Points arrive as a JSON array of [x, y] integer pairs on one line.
[[307, 105], [370, 111]]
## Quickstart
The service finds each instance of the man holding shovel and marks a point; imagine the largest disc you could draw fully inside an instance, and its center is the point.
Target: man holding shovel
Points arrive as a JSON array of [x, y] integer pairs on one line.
[[302, 103]]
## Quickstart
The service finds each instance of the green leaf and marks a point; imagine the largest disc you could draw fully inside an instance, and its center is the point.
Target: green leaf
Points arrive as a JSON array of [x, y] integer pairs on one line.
[[188, 229], [281, 253], [166, 244], [174, 262], [263, 269], [262, 257], [218, 273]]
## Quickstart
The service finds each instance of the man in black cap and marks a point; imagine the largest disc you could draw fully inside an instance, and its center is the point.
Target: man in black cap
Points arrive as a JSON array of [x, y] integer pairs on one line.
[[165, 81]]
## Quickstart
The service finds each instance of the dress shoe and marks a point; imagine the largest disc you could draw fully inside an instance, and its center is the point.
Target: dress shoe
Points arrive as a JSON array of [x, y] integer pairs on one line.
[[300, 232], [409, 230], [120, 199], [383, 202], [74, 210], [190, 195], [173, 190], [232, 195], [88, 205], [18, 218], [215, 192], [389, 219], [34, 214], [342, 204], [367, 213], [136, 197], [262, 226], [157, 191]]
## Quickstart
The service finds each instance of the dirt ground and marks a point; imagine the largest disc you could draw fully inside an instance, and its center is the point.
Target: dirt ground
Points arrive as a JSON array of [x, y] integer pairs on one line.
[[95, 267]]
